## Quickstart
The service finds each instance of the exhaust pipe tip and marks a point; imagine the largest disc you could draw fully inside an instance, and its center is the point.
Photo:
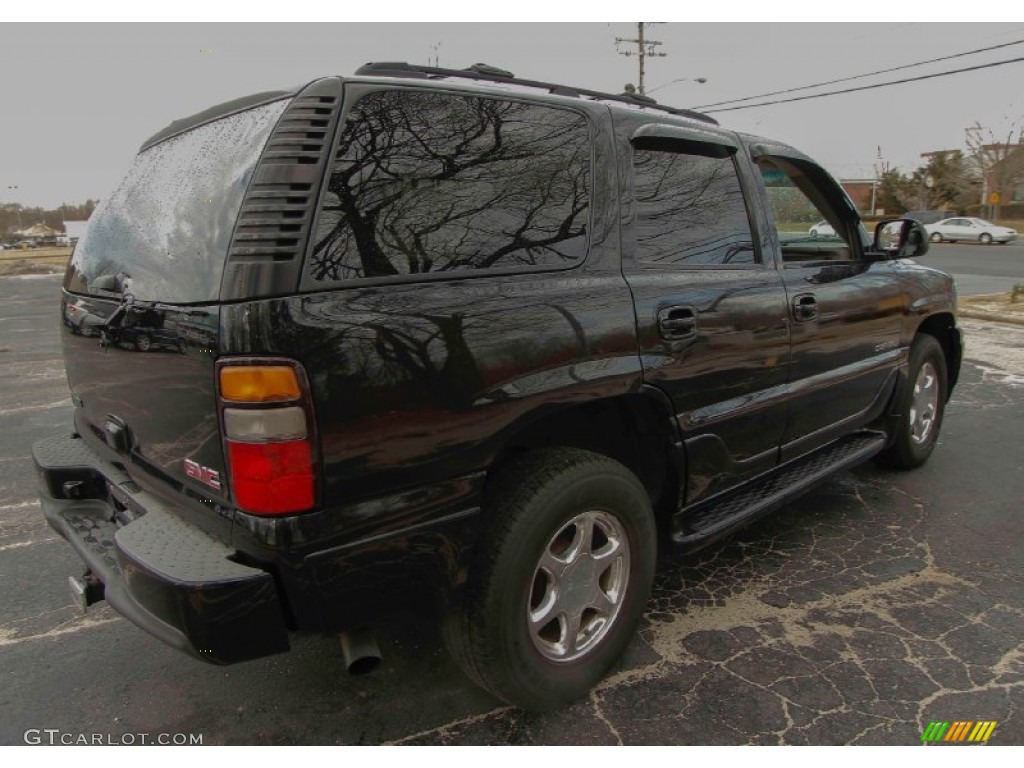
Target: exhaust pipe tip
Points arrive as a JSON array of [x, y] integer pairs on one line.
[[86, 591], [361, 652]]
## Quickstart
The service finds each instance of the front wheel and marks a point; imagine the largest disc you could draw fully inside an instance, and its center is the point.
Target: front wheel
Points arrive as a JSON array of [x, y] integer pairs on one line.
[[921, 405], [985, 238], [559, 581], [936, 237]]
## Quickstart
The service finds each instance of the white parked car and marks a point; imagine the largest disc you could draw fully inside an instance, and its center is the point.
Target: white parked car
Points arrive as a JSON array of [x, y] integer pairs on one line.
[[822, 229], [970, 229]]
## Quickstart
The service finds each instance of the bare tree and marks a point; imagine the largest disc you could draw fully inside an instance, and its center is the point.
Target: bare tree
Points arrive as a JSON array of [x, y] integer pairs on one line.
[[999, 160]]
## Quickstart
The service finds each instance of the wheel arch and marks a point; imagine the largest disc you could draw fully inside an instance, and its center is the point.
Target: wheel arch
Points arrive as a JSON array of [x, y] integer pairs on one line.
[[942, 326], [638, 430]]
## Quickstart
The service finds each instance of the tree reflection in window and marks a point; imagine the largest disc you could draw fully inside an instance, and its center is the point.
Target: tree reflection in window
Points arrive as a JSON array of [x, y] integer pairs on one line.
[[428, 183], [690, 210]]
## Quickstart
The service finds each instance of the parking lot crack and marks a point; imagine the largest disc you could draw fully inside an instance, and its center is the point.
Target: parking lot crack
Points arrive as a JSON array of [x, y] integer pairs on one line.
[[595, 702]]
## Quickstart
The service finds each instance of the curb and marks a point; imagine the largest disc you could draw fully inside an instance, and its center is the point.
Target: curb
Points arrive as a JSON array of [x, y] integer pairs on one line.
[[991, 316]]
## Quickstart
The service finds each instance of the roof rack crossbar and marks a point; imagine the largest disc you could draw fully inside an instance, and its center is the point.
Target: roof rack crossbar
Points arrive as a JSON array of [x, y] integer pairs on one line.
[[487, 73]]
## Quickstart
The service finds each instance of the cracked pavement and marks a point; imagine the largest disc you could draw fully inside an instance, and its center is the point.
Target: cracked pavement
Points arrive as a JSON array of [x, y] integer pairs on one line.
[[856, 615]]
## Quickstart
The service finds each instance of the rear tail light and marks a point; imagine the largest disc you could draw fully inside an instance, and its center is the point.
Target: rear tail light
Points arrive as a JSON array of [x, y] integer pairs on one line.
[[268, 435]]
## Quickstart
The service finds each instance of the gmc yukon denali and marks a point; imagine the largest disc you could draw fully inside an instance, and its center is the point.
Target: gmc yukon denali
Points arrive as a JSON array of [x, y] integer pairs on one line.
[[472, 345]]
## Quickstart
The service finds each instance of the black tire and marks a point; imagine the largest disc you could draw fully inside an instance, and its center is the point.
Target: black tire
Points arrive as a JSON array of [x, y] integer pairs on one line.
[[913, 441], [143, 344], [985, 238], [530, 508], [936, 237]]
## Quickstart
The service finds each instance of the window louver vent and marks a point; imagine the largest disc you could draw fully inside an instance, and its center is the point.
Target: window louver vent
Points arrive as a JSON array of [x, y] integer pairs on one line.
[[274, 222]]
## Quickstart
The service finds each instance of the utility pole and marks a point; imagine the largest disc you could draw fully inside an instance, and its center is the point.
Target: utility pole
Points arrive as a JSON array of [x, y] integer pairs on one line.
[[644, 48]]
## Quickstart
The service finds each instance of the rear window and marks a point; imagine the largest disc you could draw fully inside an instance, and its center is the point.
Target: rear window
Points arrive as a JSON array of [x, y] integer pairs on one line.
[[690, 210], [163, 235]]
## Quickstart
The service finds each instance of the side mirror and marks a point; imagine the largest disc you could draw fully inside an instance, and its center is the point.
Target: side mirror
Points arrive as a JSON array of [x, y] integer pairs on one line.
[[901, 238]]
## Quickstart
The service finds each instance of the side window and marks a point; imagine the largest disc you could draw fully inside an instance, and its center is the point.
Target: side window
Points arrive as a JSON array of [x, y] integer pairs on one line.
[[433, 182], [808, 226], [690, 209]]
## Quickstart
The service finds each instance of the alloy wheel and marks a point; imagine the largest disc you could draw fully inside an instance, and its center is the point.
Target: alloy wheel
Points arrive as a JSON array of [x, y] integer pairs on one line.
[[924, 404], [579, 586]]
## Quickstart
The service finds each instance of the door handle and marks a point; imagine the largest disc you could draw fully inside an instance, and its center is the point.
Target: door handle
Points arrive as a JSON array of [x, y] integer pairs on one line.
[[677, 323], [805, 307]]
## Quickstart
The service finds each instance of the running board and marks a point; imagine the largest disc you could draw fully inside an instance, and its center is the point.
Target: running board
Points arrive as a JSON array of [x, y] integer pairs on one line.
[[704, 523]]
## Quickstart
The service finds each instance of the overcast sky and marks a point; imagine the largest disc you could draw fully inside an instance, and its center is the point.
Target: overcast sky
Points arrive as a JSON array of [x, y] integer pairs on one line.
[[79, 99]]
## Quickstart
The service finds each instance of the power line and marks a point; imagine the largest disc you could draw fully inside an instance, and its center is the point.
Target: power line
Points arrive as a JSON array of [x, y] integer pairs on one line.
[[858, 77], [867, 87]]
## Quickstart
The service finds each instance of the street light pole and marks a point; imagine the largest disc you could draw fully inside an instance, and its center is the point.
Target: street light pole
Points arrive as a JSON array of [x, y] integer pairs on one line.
[[700, 80], [10, 189]]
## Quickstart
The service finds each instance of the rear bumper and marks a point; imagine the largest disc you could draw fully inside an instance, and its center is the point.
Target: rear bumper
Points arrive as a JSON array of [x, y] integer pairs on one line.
[[161, 573]]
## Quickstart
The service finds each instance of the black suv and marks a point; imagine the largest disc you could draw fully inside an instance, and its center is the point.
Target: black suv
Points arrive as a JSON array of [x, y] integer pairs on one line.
[[472, 345]]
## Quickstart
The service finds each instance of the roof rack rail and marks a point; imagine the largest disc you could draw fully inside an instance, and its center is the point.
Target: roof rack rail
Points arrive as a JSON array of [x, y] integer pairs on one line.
[[496, 75]]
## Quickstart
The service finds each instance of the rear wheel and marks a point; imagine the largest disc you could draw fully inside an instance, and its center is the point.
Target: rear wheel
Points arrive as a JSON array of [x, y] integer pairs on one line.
[[143, 344], [985, 238], [921, 405], [560, 580]]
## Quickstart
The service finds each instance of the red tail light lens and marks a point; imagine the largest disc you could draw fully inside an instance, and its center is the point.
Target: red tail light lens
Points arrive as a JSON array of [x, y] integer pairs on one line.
[[272, 478]]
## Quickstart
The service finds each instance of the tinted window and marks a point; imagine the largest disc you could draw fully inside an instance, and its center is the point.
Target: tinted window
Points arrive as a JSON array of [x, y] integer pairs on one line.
[[798, 204], [690, 210], [163, 235], [429, 183]]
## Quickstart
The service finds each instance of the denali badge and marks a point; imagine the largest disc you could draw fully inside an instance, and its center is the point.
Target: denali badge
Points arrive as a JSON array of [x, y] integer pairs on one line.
[[202, 474]]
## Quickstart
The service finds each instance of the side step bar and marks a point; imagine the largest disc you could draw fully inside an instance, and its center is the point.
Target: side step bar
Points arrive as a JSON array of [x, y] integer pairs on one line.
[[696, 527]]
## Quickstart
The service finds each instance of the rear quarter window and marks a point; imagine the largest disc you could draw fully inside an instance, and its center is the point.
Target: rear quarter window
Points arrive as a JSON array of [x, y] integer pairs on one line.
[[435, 183], [163, 235]]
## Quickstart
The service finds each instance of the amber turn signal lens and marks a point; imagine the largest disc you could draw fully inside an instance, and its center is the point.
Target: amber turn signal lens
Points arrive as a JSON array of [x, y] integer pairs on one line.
[[258, 383]]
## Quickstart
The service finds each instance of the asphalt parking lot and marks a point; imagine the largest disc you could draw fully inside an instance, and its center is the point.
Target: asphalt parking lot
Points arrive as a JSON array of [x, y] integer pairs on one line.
[[859, 614]]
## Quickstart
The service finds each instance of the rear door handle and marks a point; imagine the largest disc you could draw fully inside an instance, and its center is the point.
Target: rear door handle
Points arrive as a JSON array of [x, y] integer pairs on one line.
[[805, 307], [677, 323]]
